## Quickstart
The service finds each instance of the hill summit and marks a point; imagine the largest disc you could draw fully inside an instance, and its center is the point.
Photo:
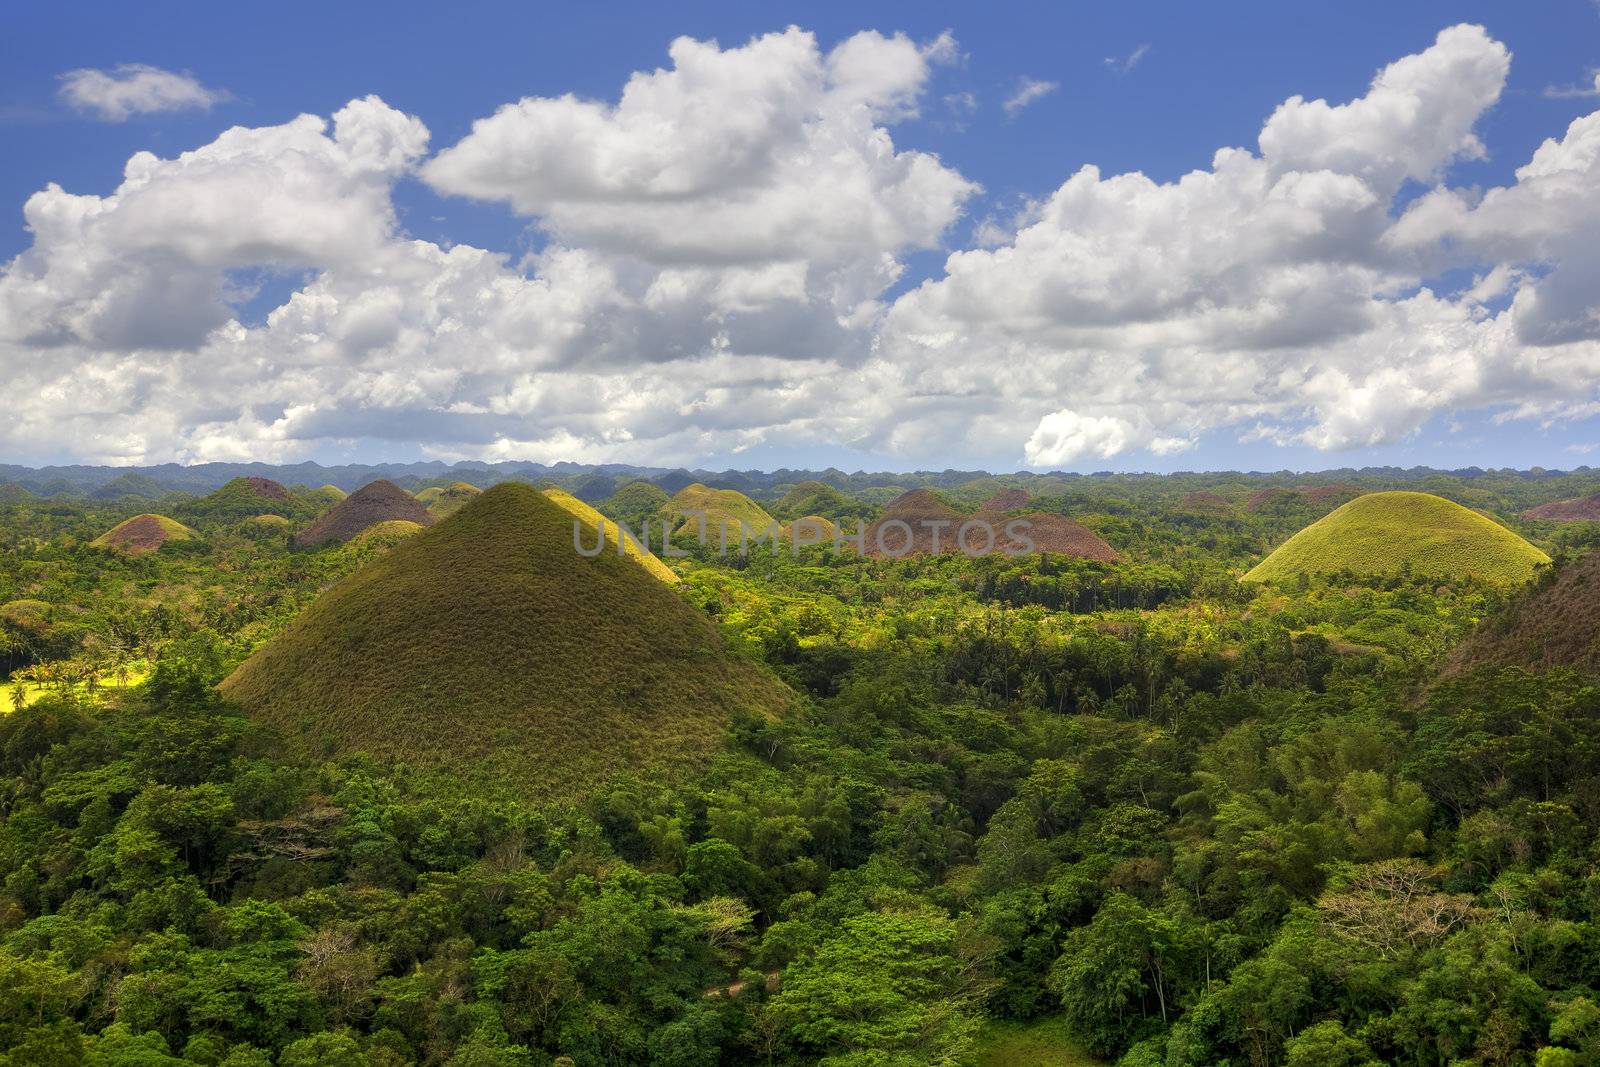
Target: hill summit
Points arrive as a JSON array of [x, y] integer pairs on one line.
[[487, 647], [375, 502], [1387, 533]]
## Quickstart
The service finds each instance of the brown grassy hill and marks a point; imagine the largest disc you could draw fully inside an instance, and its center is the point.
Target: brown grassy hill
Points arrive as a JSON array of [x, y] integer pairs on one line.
[[375, 502], [1580, 509], [143, 533], [921, 510], [1206, 503], [1057, 534], [487, 648], [1554, 623], [1282, 496], [1005, 500]]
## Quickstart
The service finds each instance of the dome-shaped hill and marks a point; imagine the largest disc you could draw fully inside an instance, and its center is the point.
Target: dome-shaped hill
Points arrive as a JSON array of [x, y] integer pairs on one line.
[[1202, 502], [814, 498], [323, 496], [1554, 623], [445, 500], [723, 508], [931, 521], [813, 529], [1003, 501], [1580, 509], [143, 533], [1279, 498], [241, 498], [593, 521], [1385, 533], [635, 502], [486, 647], [375, 502], [1055, 534]]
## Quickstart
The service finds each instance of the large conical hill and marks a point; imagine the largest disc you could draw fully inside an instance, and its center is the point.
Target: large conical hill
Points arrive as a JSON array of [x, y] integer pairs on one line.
[[488, 648], [1390, 533]]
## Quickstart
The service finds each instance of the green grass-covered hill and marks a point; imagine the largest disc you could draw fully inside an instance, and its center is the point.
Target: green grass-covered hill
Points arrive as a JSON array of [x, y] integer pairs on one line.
[[143, 533], [445, 500], [820, 498], [1385, 533], [488, 648], [721, 507], [242, 498]]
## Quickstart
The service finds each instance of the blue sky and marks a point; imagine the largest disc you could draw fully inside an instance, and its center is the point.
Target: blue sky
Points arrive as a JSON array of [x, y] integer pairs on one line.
[[1152, 88]]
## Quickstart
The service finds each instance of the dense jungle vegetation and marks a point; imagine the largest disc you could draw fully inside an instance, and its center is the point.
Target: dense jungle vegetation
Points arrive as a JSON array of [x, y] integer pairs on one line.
[[1026, 811]]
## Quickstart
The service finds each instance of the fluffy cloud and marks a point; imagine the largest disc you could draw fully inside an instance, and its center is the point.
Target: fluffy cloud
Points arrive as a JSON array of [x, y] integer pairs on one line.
[[1275, 292], [720, 240], [134, 89]]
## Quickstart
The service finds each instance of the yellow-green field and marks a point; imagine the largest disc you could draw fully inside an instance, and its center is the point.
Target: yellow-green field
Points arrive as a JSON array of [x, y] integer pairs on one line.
[[108, 682]]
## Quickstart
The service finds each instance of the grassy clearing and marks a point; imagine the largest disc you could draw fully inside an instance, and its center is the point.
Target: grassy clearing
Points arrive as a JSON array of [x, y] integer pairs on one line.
[[107, 682], [487, 647], [1040, 1044], [1385, 533]]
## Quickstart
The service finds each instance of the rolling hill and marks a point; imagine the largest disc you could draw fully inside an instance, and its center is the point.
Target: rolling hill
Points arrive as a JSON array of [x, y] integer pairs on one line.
[[820, 499], [1579, 509], [593, 520], [143, 533], [242, 498], [921, 510], [1385, 533], [1005, 500], [635, 502], [722, 507], [447, 499], [1554, 623], [487, 648], [375, 502], [1055, 534]]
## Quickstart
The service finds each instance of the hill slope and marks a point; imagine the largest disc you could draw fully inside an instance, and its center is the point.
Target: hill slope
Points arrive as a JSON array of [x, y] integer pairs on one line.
[[375, 502], [143, 533], [1382, 533], [447, 499], [1580, 509], [242, 498], [488, 648], [721, 507], [1555, 623], [593, 520]]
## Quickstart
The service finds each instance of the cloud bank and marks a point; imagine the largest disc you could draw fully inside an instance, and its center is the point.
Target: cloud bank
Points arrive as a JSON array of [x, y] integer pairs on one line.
[[723, 245]]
